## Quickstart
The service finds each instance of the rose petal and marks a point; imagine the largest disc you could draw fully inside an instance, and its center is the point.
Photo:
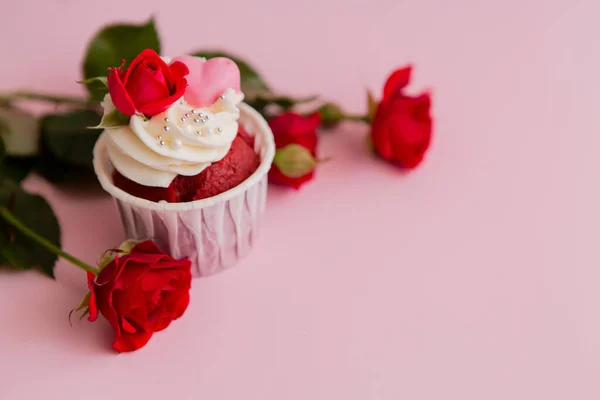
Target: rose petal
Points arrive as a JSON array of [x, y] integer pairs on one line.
[[207, 80], [131, 342], [179, 69], [127, 327], [92, 305], [397, 81], [146, 53], [147, 86], [161, 105], [118, 93], [142, 292], [292, 128]]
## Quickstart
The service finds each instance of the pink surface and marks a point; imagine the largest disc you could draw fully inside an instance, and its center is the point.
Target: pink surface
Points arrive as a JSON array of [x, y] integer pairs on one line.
[[475, 277]]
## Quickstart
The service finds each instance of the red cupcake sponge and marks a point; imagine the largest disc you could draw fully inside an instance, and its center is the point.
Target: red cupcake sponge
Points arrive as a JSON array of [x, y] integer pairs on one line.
[[239, 163]]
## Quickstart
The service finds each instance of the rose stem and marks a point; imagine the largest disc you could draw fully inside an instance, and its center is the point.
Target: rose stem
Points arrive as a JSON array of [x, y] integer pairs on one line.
[[356, 117], [46, 97], [20, 226]]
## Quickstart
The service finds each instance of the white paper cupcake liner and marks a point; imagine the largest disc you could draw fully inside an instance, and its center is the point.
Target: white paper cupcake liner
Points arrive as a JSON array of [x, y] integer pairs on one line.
[[214, 233]]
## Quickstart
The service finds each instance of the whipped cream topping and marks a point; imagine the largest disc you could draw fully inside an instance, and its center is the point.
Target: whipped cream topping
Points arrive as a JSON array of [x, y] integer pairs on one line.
[[182, 140]]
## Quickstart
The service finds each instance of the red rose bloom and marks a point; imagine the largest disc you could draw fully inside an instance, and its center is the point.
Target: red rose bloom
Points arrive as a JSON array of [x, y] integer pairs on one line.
[[401, 129], [140, 293], [148, 86], [291, 128]]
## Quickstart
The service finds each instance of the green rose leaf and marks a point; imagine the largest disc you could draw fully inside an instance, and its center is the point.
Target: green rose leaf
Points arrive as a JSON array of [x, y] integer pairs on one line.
[[103, 80], [18, 250], [113, 119], [2, 150], [286, 103], [17, 168], [4, 128], [294, 161], [111, 45], [251, 81], [68, 138], [68, 145]]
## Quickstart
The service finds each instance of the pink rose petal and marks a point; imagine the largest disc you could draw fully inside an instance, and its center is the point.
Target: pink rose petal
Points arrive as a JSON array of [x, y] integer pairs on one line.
[[207, 80]]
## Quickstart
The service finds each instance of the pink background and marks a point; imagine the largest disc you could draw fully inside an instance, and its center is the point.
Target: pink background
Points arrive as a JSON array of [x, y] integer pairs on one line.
[[473, 277]]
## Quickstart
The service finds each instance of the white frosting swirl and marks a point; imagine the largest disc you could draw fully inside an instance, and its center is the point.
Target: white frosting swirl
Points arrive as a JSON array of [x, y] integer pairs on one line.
[[179, 141]]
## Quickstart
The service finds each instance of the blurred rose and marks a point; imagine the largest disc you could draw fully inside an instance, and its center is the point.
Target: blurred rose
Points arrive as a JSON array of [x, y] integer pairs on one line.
[[401, 128], [296, 143]]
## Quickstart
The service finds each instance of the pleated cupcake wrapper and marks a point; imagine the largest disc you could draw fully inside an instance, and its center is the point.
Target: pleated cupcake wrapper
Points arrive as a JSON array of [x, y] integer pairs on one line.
[[214, 238], [213, 233]]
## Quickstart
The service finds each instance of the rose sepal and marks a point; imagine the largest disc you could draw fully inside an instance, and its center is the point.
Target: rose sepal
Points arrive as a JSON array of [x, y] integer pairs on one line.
[[108, 256]]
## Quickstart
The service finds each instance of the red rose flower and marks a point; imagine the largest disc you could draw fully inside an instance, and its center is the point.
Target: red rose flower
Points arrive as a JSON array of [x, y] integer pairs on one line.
[[296, 144], [401, 128], [148, 86], [140, 293]]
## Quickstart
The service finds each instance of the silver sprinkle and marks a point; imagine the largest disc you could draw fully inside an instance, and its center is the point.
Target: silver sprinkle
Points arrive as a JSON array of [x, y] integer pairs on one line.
[[201, 115], [222, 97], [182, 119], [219, 130], [159, 137], [166, 128], [203, 120], [198, 132], [196, 120], [166, 119], [187, 115], [193, 111], [162, 142], [207, 116]]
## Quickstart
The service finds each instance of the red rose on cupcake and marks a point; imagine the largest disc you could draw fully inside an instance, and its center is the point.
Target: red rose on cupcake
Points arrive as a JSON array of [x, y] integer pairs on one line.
[[296, 143], [402, 125], [148, 86]]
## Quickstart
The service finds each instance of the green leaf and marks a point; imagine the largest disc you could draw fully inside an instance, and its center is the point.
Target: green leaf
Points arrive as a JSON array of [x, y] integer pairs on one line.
[[294, 161], [4, 127], [112, 44], [67, 137], [251, 81], [286, 103], [20, 131], [113, 119], [34, 211], [97, 79], [2, 150], [372, 105], [17, 168], [60, 172]]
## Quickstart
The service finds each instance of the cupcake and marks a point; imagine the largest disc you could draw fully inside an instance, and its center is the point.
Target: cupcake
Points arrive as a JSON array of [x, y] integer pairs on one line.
[[187, 160]]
